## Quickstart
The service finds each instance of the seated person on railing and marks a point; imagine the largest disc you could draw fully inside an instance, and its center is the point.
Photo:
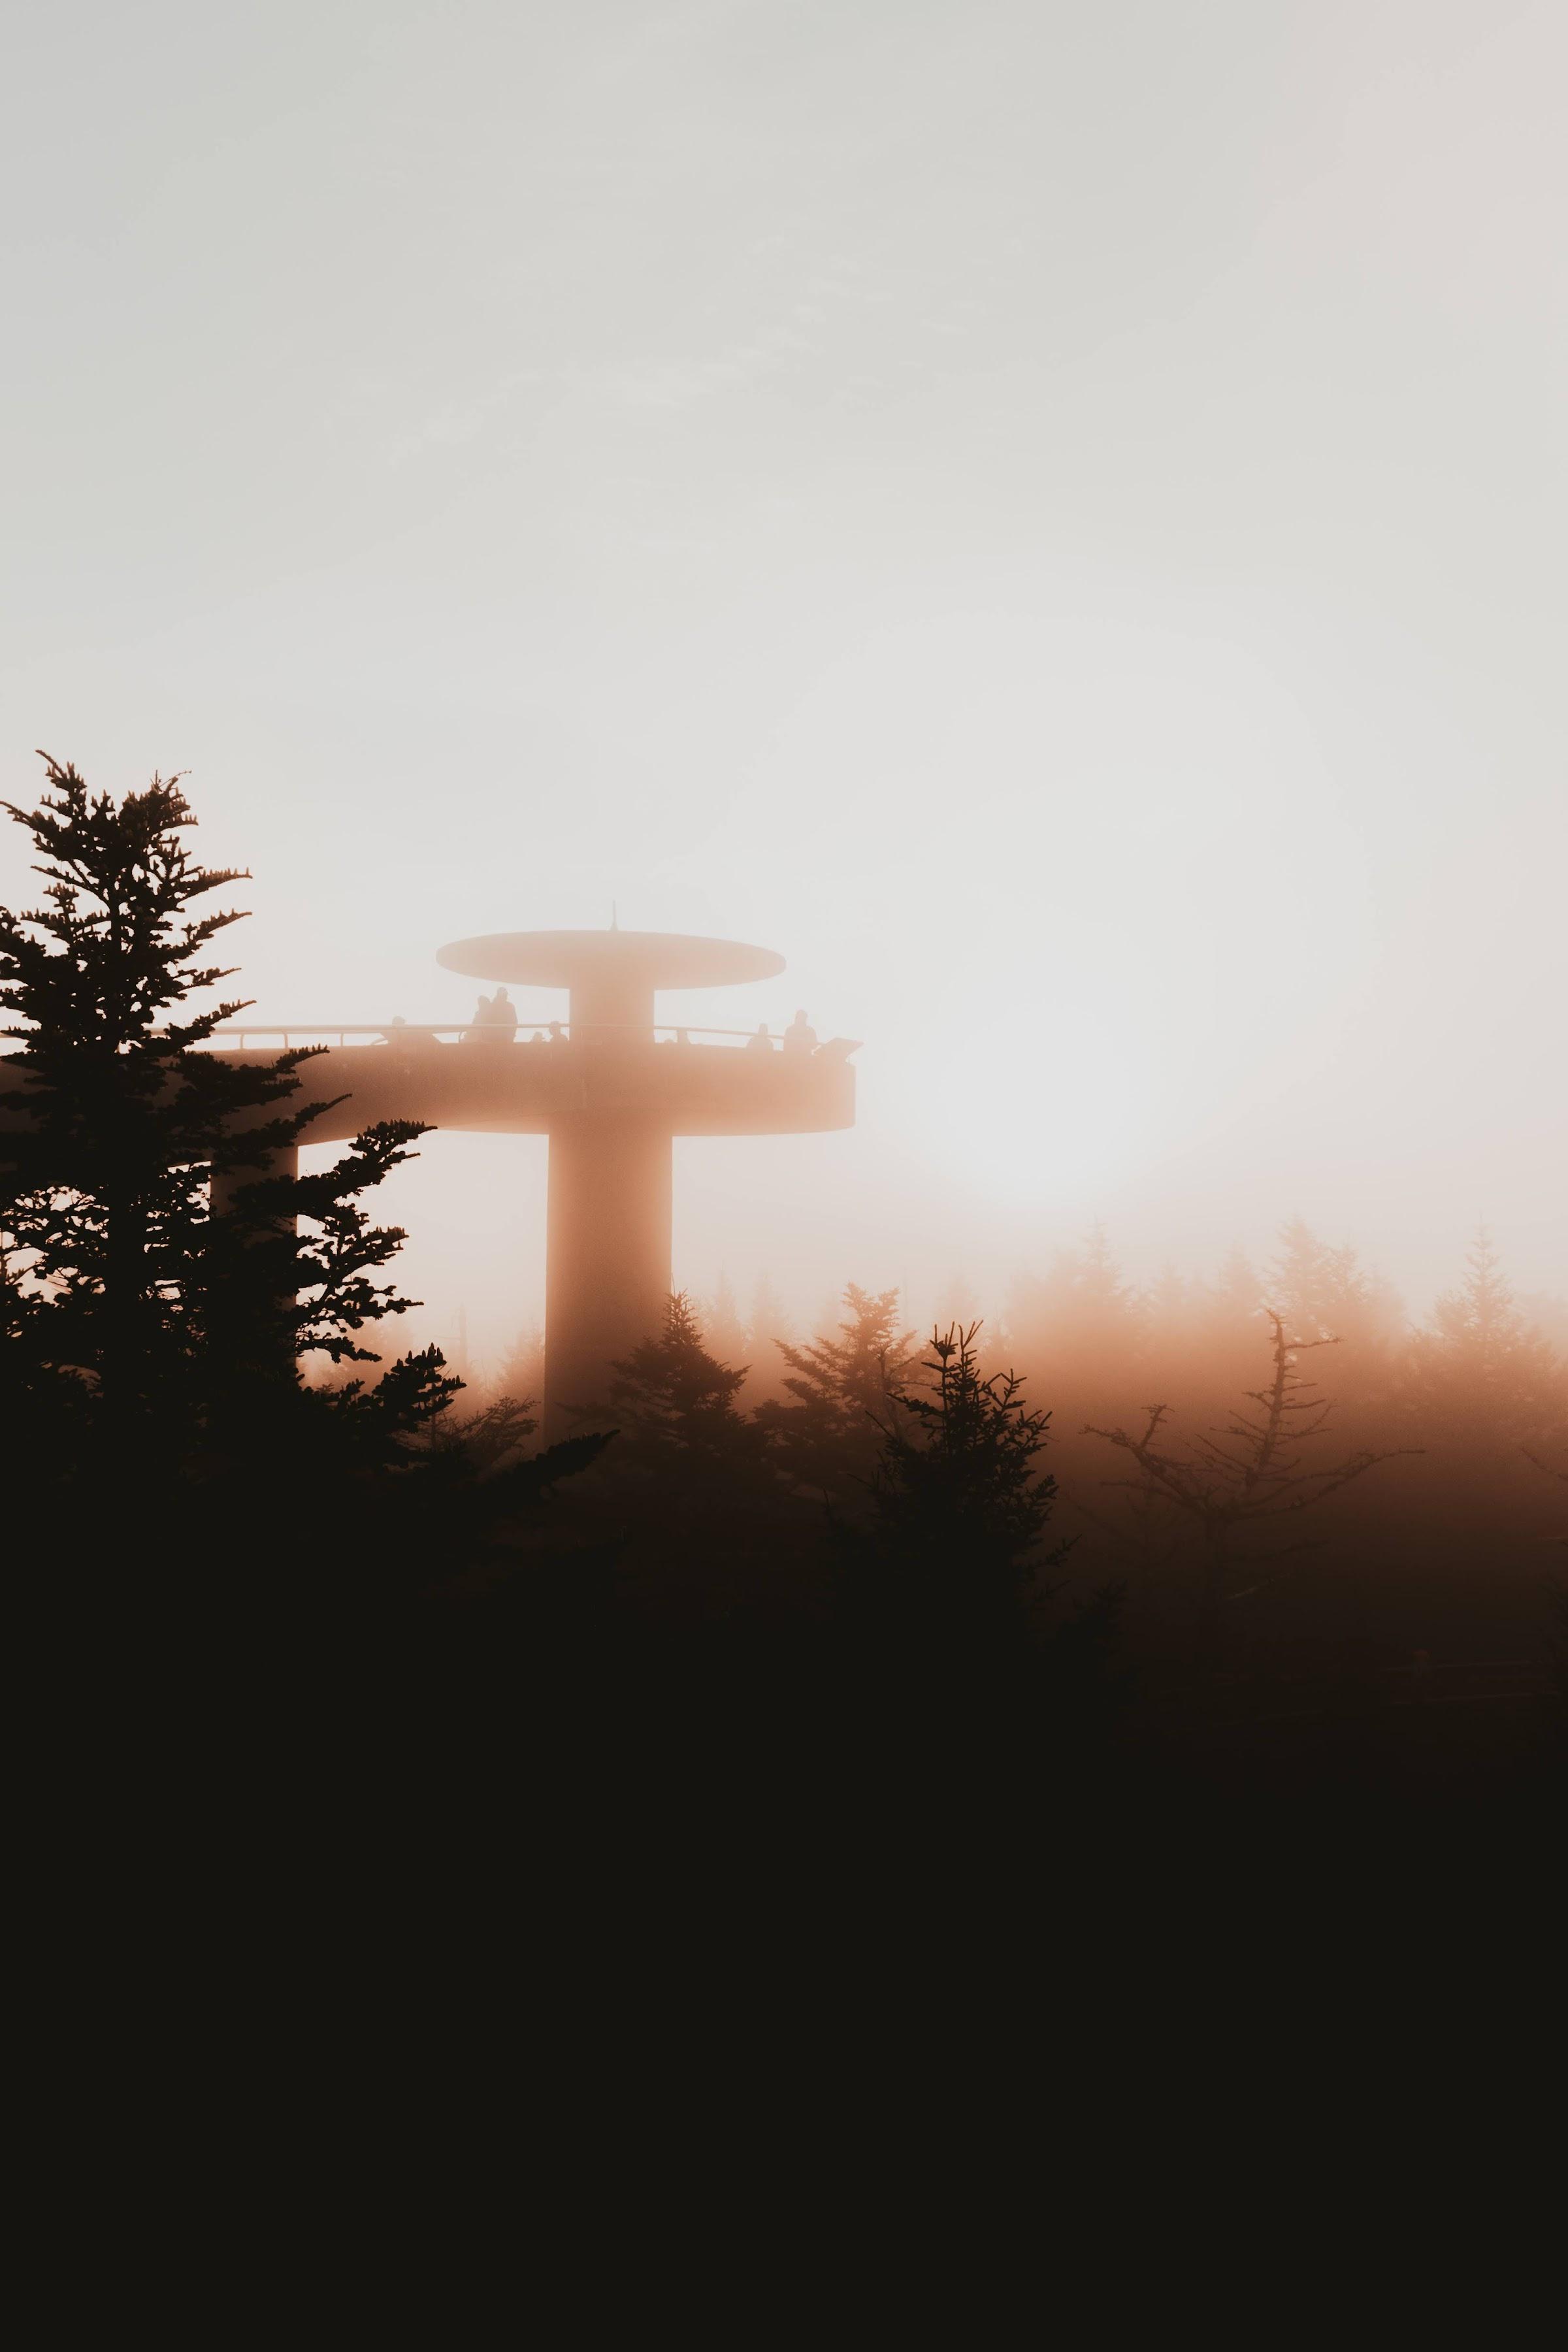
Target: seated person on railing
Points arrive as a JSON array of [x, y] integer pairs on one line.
[[762, 1043], [800, 1037], [557, 1034]]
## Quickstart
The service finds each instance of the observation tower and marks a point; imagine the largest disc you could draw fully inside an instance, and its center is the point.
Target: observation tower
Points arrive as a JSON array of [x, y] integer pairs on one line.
[[612, 1087]]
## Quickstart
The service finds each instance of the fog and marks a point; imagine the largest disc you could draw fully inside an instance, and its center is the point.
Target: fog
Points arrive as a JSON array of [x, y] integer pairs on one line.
[[1051, 518]]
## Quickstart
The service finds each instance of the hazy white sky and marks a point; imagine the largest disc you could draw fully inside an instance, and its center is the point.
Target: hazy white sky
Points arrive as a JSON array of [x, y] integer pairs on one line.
[[1051, 516]]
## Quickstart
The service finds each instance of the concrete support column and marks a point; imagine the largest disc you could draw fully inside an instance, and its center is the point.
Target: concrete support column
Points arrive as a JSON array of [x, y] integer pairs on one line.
[[608, 1264]]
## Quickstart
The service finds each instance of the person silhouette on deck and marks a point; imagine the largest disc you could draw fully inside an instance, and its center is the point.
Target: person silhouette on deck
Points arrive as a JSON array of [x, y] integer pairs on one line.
[[762, 1043], [484, 1013], [800, 1037], [504, 1017]]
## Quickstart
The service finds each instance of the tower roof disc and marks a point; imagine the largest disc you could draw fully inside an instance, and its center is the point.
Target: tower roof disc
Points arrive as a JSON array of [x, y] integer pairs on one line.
[[568, 958]]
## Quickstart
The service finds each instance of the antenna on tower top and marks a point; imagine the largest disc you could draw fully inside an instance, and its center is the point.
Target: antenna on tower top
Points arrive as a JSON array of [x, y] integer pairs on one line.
[[615, 917]]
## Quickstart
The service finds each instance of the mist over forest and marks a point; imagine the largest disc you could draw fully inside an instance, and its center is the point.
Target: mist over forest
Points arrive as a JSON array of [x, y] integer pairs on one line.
[[783, 1133], [1257, 1535]]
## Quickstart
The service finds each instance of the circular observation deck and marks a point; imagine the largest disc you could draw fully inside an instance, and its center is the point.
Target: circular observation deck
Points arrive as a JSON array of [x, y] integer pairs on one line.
[[612, 975]]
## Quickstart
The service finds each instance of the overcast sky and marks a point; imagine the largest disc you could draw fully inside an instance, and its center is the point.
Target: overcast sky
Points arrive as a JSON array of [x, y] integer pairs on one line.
[[1052, 517]]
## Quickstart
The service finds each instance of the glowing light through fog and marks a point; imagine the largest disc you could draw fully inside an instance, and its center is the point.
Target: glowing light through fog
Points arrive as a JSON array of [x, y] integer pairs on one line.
[[1077, 570]]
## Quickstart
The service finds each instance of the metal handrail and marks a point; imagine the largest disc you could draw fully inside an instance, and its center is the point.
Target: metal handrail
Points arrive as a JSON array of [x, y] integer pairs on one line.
[[490, 1032], [391, 1032]]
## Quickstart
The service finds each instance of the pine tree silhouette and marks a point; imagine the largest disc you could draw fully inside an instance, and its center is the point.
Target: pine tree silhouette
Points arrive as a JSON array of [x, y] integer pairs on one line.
[[1481, 1373], [154, 1349], [119, 1278], [828, 1432], [1078, 1323], [674, 1407], [768, 1330], [960, 1502], [520, 1374], [1325, 1293], [723, 1331]]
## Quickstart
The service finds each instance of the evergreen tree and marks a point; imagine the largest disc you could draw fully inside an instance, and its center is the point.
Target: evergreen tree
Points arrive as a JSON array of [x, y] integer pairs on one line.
[[827, 1432], [1324, 1293], [768, 1330], [1222, 1336], [1084, 1290], [155, 1348], [1547, 1313], [1226, 1309], [287, 1273], [960, 1502], [1168, 1304], [119, 1279], [494, 1435], [674, 1405], [1081, 1323], [521, 1376], [1235, 1294], [1481, 1372], [1171, 1328], [723, 1331], [104, 1180]]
